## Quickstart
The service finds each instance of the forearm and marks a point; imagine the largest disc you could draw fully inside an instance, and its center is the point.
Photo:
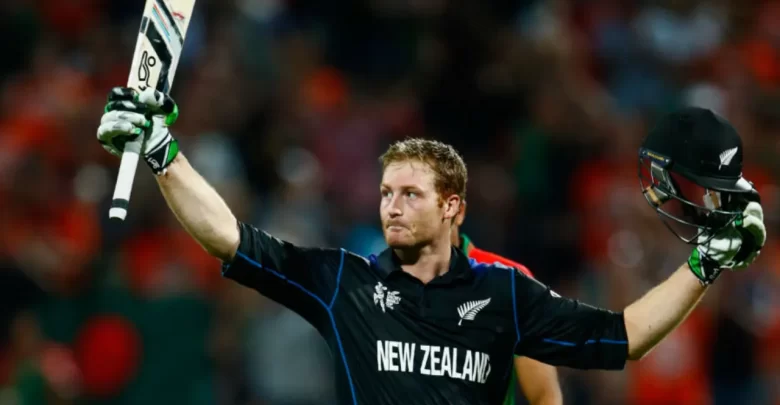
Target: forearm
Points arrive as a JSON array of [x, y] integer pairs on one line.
[[652, 317], [200, 210]]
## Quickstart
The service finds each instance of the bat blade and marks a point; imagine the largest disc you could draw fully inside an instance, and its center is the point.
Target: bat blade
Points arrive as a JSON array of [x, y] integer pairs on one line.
[[155, 59]]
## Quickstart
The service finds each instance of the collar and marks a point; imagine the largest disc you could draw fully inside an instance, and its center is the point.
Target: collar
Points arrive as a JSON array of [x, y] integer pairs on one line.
[[460, 269]]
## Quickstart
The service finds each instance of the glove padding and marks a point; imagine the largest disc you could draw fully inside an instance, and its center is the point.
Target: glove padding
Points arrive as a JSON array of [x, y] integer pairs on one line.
[[735, 247], [130, 114]]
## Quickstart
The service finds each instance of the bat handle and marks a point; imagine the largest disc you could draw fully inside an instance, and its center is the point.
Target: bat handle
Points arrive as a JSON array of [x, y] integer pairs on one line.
[[124, 181]]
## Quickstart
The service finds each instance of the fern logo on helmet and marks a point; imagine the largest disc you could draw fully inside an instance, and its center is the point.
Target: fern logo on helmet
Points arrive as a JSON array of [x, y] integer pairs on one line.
[[726, 156]]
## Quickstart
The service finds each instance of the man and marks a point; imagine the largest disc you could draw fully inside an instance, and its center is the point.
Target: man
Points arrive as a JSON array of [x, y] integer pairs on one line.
[[419, 324], [538, 381]]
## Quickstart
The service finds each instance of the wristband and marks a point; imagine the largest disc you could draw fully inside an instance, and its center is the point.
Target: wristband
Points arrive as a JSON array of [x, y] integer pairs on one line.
[[161, 157], [704, 268]]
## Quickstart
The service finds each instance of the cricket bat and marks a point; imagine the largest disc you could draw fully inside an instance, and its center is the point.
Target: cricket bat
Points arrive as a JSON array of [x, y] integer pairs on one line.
[[157, 54]]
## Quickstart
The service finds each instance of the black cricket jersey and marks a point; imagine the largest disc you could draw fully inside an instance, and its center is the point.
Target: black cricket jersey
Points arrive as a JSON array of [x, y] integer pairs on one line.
[[397, 341]]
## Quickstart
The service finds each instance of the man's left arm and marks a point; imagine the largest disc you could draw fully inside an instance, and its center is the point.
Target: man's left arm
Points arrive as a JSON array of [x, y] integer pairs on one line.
[[651, 318], [566, 332], [560, 331], [538, 381]]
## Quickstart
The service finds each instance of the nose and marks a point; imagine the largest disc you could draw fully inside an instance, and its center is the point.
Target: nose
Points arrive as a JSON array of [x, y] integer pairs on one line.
[[394, 208]]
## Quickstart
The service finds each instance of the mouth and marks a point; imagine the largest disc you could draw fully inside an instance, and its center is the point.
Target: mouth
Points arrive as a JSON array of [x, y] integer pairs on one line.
[[395, 228]]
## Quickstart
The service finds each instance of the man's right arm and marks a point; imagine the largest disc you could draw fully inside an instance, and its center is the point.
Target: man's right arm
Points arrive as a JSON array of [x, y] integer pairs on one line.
[[200, 209], [302, 279]]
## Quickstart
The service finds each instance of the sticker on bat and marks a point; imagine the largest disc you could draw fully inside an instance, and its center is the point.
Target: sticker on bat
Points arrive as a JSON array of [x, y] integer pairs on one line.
[[144, 69]]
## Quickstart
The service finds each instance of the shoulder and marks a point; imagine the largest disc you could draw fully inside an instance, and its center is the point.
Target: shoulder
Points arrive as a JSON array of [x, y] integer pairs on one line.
[[349, 257], [260, 240], [484, 258]]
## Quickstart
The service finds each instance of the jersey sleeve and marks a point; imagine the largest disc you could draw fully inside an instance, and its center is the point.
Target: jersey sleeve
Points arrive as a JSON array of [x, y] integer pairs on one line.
[[565, 332], [302, 279]]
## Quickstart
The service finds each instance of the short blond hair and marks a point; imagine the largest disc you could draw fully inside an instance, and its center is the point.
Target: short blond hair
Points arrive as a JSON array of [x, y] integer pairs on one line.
[[448, 166]]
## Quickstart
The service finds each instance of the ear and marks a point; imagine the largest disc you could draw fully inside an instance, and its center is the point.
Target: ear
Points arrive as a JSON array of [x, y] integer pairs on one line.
[[461, 214], [452, 207]]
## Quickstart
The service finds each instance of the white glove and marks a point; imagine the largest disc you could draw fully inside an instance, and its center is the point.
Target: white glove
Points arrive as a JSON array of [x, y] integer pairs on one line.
[[129, 115], [735, 247]]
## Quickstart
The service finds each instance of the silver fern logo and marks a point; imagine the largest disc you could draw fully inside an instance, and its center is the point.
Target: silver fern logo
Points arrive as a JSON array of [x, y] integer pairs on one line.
[[468, 310], [727, 155]]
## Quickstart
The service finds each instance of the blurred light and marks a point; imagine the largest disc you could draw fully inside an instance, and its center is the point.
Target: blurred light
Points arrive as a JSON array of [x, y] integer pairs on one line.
[[298, 166], [91, 183], [261, 10], [624, 248], [326, 90], [706, 95], [108, 351], [215, 157], [680, 38], [58, 364]]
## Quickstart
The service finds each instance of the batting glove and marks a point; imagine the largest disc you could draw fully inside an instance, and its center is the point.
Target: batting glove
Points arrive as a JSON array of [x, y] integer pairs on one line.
[[130, 115], [734, 248]]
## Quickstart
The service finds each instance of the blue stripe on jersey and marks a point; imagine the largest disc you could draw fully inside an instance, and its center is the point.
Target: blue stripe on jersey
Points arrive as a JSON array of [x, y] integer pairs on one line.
[[587, 342]]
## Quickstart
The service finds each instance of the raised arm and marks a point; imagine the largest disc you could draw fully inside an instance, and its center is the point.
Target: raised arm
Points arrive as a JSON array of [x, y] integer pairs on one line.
[[655, 315], [651, 318], [199, 209], [302, 279], [566, 332]]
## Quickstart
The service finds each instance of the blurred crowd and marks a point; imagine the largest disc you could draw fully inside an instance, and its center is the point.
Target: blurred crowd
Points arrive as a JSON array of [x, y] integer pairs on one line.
[[286, 105]]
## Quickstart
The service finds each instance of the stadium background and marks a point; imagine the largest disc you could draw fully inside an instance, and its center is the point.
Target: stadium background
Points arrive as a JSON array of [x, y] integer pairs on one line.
[[285, 107]]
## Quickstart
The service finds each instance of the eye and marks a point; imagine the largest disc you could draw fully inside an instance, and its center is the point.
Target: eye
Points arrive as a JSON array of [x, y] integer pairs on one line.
[[386, 194], [411, 194]]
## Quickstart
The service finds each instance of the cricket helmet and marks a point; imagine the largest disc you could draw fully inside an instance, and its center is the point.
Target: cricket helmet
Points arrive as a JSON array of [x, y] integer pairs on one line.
[[690, 172]]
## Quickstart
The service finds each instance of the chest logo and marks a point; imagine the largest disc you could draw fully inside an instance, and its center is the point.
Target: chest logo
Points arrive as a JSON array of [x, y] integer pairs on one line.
[[469, 310], [384, 298]]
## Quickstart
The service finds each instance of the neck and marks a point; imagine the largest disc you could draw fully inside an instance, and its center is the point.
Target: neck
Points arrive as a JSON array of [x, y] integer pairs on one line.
[[426, 263], [455, 239]]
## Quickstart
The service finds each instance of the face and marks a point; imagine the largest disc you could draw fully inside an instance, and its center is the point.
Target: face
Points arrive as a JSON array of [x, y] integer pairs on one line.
[[412, 212]]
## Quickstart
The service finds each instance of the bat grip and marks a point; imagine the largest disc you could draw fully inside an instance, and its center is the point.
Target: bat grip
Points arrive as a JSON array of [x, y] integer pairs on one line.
[[124, 181]]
